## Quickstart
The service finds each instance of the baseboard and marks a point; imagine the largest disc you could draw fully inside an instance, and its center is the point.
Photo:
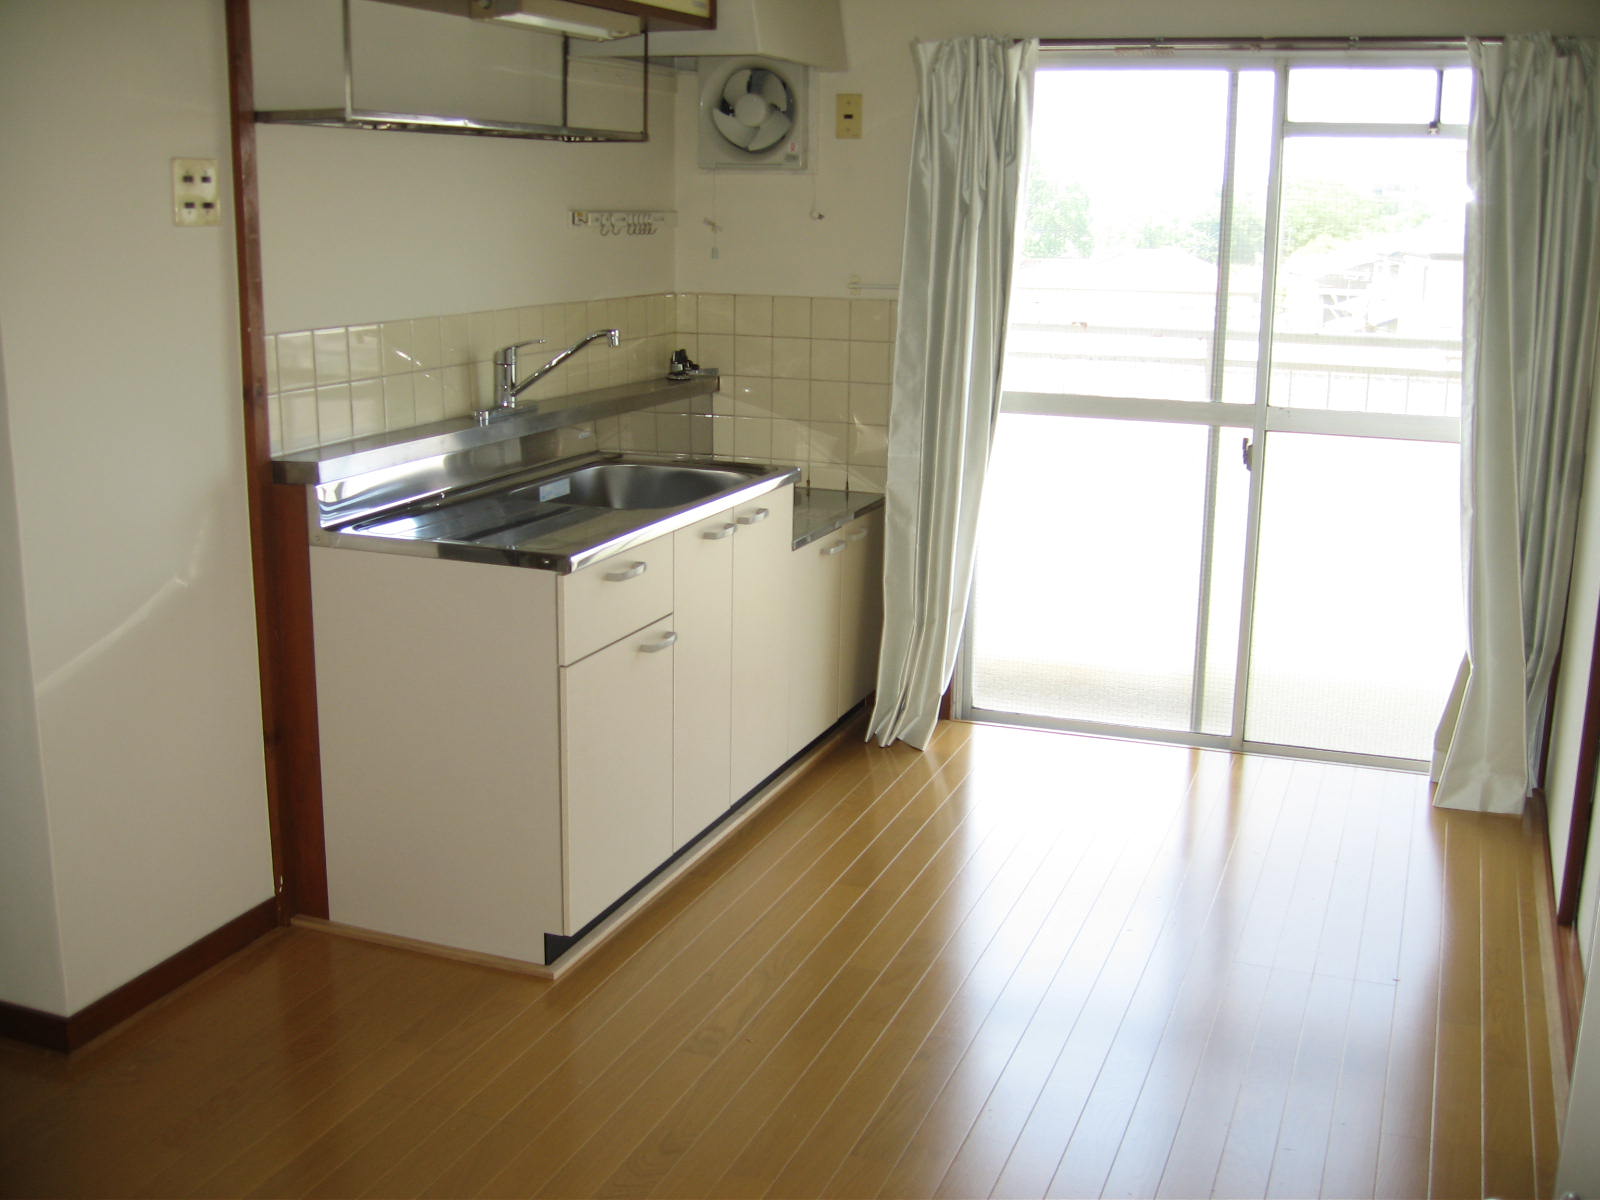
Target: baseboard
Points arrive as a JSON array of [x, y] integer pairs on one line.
[[65, 1034]]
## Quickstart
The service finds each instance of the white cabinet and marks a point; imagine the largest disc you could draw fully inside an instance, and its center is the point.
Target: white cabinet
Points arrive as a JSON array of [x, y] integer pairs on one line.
[[702, 695], [731, 606], [506, 753], [616, 769], [759, 728], [860, 609], [437, 699], [835, 588]]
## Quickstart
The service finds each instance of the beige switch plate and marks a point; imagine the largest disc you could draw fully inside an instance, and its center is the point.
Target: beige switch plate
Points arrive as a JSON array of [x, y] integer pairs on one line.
[[195, 192], [847, 115]]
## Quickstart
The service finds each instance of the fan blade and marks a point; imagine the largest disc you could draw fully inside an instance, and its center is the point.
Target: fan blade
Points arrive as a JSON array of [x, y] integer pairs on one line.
[[772, 89], [738, 84], [772, 131], [734, 130]]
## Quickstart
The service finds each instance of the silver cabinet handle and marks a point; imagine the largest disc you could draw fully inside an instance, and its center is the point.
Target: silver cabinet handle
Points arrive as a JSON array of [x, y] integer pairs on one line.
[[753, 518], [836, 548], [667, 639], [855, 535], [633, 572], [716, 535]]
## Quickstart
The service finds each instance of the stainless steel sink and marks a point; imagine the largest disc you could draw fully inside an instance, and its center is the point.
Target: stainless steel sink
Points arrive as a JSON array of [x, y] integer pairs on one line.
[[640, 485], [562, 520]]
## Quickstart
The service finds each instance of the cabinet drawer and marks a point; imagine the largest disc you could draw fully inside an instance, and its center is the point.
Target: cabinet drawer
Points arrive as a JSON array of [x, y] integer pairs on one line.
[[611, 598]]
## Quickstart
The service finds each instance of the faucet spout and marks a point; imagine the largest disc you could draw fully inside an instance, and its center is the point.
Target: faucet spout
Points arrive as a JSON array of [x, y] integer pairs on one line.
[[510, 387]]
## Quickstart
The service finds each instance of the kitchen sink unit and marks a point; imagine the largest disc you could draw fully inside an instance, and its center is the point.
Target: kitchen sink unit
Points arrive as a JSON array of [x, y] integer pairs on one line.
[[545, 687]]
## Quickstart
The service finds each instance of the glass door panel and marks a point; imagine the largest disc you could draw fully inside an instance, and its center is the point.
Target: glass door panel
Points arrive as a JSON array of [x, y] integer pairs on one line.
[[1090, 571], [1368, 312], [1358, 624], [1115, 289]]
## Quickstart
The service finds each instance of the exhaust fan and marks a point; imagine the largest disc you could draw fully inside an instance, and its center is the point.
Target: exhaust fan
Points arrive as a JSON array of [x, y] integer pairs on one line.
[[752, 114]]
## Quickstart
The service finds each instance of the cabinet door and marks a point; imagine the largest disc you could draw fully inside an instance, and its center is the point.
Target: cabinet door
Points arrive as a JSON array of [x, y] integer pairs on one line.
[[860, 608], [761, 617], [702, 614], [616, 758], [814, 638]]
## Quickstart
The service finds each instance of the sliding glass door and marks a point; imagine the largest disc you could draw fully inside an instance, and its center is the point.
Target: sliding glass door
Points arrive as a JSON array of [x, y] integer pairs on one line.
[[1222, 501]]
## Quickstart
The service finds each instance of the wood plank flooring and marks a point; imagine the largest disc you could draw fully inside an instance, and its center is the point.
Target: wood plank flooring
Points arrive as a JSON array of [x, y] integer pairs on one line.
[[1021, 964]]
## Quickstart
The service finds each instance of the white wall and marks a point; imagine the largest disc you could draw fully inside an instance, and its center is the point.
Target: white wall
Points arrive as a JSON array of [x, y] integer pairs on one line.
[[30, 936], [770, 243], [135, 634]]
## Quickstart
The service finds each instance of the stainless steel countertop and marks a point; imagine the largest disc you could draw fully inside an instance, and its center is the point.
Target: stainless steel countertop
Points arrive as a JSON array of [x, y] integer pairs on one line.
[[819, 511]]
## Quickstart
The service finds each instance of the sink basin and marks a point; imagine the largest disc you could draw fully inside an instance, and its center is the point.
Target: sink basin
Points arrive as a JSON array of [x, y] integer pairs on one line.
[[640, 485]]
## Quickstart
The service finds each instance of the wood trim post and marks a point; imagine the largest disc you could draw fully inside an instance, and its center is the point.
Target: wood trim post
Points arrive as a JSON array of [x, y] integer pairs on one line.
[[279, 548]]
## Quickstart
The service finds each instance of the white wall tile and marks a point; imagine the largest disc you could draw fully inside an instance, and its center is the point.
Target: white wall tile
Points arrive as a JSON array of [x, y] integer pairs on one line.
[[830, 400], [869, 362], [330, 351], [752, 438], [428, 395], [399, 402], [830, 318], [791, 357], [791, 398], [869, 403], [425, 343], [869, 445], [366, 407], [752, 316], [299, 416], [715, 314], [295, 363], [686, 308], [752, 397], [752, 355], [455, 342], [830, 360], [830, 442], [333, 413], [791, 316], [871, 320], [396, 356], [365, 356]]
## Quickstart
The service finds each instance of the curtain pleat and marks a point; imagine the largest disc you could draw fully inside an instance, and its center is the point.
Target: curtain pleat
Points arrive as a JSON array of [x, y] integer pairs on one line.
[[970, 140]]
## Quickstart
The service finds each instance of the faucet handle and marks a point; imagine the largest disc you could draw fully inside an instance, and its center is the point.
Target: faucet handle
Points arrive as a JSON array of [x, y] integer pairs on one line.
[[508, 354]]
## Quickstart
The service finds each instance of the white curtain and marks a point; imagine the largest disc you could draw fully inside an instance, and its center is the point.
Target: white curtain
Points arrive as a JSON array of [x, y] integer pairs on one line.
[[974, 100], [1532, 310]]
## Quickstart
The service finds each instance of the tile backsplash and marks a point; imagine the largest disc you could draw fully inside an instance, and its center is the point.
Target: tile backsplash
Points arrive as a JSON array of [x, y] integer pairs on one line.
[[805, 381]]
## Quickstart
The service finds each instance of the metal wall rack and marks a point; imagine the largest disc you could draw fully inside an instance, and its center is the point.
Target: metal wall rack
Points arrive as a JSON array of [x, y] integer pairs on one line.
[[351, 117]]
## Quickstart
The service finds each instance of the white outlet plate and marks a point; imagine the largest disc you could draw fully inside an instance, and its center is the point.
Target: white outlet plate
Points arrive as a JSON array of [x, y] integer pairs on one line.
[[195, 192]]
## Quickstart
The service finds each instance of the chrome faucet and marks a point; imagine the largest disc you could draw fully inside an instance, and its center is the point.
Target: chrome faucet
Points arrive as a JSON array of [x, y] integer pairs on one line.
[[508, 387]]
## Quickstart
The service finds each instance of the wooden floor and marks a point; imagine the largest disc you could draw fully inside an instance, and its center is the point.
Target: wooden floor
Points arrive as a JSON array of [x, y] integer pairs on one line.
[[1021, 964]]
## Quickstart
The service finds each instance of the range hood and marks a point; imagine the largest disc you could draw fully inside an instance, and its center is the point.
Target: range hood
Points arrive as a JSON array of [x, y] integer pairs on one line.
[[802, 31]]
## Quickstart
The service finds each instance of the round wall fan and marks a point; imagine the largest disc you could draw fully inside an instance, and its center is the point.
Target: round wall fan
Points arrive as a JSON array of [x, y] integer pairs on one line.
[[752, 113]]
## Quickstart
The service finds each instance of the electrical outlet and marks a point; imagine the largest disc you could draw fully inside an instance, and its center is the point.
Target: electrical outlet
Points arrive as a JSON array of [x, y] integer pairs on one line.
[[195, 192], [847, 115]]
